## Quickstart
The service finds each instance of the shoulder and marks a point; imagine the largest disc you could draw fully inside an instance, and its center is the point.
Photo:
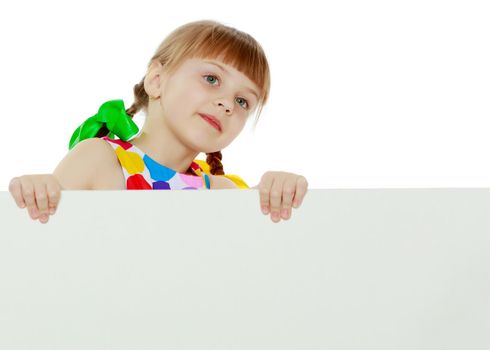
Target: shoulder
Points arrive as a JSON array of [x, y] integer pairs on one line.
[[107, 173], [216, 181], [93, 143], [221, 182], [100, 150], [78, 169]]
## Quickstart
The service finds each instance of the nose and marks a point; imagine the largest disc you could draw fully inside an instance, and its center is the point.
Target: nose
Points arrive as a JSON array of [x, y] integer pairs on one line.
[[226, 105]]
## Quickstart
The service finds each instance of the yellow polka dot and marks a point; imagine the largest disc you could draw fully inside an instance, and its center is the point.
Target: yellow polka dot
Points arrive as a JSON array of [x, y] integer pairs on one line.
[[131, 161]]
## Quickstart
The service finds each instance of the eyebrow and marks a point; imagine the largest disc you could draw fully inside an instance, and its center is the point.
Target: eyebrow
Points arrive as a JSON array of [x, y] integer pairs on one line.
[[226, 71]]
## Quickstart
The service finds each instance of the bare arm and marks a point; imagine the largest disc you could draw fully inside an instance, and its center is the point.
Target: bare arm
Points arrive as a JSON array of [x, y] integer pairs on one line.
[[41, 193], [77, 170], [225, 183]]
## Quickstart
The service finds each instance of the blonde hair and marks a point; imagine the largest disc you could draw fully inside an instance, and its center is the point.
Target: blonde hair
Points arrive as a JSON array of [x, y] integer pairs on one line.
[[210, 39]]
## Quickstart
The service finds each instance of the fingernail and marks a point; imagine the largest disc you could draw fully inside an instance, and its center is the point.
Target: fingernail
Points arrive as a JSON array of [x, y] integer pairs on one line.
[[275, 215], [51, 211], [285, 213], [265, 209]]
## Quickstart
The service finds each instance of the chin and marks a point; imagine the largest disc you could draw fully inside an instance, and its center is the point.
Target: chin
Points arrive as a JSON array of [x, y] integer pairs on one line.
[[205, 147], [210, 151]]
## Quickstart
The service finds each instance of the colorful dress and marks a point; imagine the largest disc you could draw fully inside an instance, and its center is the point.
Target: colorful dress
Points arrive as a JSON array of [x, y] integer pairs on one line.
[[143, 173]]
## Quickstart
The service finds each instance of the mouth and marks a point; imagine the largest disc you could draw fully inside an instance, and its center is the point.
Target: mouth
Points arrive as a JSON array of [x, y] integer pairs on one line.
[[213, 121]]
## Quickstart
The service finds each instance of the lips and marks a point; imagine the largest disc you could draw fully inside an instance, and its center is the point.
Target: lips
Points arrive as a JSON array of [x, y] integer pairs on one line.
[[212, 120]]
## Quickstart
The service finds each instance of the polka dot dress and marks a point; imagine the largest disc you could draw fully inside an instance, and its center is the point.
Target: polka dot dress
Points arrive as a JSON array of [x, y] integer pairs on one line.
[[143, 173]]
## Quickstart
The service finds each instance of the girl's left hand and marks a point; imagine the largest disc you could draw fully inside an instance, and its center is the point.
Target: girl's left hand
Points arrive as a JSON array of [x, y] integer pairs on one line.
[[279, 191]]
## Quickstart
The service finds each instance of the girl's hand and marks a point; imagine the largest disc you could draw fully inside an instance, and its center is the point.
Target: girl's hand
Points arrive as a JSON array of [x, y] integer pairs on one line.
[[279, 191], [40, 193]]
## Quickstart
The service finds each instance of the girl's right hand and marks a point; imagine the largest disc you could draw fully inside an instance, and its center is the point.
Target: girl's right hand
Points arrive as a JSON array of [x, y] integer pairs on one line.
[[41, 194]]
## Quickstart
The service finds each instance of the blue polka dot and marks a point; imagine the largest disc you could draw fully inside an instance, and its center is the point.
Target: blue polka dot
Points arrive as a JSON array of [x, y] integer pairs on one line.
[[157, 171]]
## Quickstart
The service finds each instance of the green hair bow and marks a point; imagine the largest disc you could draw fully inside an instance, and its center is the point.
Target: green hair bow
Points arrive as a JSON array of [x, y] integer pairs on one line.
[[113, 116]]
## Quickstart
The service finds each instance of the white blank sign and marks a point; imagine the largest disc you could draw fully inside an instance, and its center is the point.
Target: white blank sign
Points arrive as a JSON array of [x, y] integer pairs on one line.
[[352, 269]]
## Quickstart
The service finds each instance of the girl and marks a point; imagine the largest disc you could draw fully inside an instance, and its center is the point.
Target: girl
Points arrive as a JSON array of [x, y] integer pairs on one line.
[[201, 85]]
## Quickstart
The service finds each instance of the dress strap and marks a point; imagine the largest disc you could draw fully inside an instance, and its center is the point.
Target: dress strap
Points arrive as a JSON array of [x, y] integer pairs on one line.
[[205, 177]]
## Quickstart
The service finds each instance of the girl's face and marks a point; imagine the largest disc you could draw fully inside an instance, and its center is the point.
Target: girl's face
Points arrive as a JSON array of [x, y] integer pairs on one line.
[[211, 87]]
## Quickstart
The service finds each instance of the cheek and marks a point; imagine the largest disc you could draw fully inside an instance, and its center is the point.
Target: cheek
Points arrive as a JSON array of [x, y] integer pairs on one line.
[[184, 100], [236, 127], [195, 96]]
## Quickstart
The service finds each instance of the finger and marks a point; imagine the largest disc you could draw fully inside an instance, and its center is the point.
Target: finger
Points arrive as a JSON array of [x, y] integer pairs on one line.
[[276, 198], [301, 189], [41, 198], [54, 196], [15, 190], [264, 192], [287, 197], [43, 218], [28, 195]]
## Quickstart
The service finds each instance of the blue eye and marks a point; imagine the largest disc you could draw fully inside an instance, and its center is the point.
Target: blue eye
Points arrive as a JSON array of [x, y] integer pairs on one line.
[[244, 101], [210, 80]]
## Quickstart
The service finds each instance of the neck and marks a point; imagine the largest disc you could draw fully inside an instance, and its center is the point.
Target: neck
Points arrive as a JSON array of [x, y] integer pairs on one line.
[[163, 146]]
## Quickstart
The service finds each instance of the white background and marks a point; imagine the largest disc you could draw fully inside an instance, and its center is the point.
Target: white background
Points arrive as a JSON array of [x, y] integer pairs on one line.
[[365, 94]]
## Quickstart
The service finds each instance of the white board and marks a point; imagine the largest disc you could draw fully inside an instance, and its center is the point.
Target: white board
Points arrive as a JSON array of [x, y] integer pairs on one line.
[[352, 269]]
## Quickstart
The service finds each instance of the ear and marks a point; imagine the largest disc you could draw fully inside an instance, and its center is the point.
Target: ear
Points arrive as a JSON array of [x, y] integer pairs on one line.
[[154, 79]]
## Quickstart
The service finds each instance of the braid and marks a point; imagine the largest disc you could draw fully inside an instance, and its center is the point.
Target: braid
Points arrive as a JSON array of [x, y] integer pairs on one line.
[[140, 98], [214, 161], [103, 131]]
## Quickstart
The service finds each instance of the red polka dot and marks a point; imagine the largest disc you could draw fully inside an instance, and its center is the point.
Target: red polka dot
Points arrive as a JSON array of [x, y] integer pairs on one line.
[[137, 182]]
